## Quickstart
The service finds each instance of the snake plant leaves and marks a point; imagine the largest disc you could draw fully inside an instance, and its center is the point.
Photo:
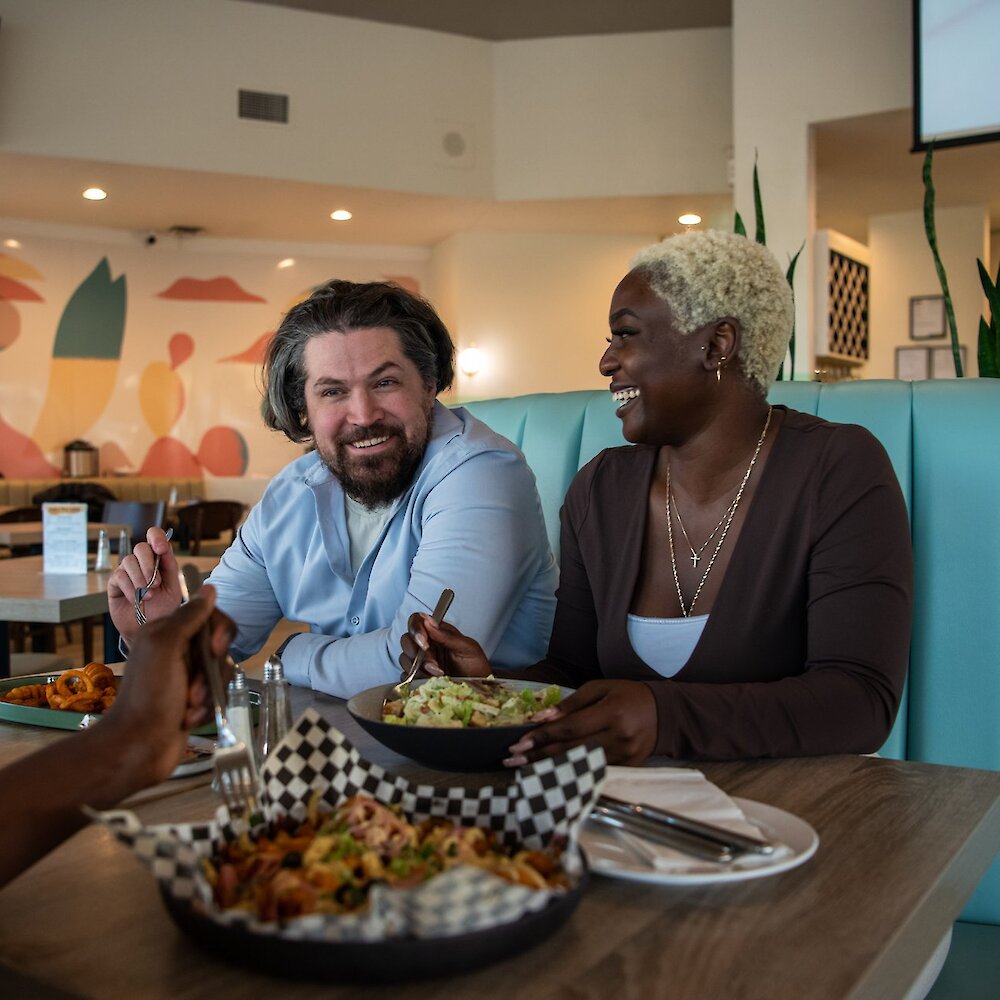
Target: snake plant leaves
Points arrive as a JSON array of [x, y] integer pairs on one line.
[[930, 229], [758, 205], [988, 347]]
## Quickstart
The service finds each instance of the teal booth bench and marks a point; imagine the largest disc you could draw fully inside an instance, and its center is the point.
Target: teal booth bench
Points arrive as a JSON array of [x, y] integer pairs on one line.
[[942, 439]]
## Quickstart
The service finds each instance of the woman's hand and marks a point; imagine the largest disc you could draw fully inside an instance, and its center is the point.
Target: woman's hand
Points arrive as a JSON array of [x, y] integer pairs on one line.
[[132, 572], [618, 715], [449, 652]]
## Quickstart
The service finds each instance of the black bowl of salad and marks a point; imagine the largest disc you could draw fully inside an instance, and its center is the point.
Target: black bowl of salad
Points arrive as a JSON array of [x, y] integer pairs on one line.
[[454, 724]]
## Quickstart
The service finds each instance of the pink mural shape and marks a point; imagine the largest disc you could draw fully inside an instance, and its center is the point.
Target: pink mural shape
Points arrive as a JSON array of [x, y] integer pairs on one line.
[[10, 324], [223, 452], [254, 354], [209, 290], [21, 458], [113, 459], [17, 291], [169, 457], [181, 348]]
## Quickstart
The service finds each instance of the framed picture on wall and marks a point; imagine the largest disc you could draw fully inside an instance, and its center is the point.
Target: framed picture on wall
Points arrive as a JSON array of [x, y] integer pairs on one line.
[[927, 317], [943, 362], [913, 363]]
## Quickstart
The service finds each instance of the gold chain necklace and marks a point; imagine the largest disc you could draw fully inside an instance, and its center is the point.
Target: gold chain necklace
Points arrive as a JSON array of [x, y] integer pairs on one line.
[[727, 520]]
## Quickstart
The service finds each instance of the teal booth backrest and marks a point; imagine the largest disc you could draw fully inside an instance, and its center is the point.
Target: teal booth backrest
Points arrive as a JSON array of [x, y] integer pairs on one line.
[[941, 438]]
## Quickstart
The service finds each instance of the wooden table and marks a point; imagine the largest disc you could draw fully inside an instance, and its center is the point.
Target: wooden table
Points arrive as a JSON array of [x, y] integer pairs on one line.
[[26, 533], [29, 595], [902, 845]]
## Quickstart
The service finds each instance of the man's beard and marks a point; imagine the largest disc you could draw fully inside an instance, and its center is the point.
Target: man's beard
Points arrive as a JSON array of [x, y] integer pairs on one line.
[[376, 481]]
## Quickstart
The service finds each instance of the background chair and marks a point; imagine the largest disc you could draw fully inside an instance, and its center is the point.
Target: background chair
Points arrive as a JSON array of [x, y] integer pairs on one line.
[[208, 519], [137, 516]]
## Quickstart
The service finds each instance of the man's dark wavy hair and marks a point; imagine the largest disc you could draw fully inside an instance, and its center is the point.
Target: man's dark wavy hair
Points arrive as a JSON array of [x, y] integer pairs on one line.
[[342, 306]]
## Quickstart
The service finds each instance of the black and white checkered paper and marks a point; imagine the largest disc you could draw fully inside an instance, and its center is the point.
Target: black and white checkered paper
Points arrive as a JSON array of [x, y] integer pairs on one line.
[[548, 801]]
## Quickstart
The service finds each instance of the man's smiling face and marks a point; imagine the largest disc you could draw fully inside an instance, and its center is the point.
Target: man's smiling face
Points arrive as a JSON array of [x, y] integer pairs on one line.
[[369, 411]]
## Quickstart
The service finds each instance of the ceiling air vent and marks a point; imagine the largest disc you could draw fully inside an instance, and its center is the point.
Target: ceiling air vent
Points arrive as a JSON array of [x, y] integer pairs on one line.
[[262, 107]]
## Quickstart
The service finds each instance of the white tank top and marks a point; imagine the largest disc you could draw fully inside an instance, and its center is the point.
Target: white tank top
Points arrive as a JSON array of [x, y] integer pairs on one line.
[[665, 644]]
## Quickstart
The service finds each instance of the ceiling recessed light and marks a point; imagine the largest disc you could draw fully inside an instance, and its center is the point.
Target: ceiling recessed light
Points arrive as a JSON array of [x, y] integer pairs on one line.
[[689, 219], [341, 215], [12, 244], [95, 194], [287, 262]]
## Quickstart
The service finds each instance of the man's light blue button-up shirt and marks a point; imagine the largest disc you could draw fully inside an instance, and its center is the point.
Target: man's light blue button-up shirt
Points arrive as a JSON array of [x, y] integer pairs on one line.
[[471, 520]]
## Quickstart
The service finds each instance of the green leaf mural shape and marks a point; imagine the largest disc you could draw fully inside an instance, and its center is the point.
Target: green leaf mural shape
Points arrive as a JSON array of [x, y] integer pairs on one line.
[[93, 323]]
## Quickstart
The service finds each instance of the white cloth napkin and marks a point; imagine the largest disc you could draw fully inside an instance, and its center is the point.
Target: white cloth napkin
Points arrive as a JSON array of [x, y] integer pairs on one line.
[[689, 792]]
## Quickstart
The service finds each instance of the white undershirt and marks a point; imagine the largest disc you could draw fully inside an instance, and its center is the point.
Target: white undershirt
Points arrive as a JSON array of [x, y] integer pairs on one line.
[[665, 644], [363, 528]]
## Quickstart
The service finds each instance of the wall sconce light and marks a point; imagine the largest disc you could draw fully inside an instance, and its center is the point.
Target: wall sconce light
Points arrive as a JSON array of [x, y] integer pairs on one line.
[[470, 360], [689, 219]]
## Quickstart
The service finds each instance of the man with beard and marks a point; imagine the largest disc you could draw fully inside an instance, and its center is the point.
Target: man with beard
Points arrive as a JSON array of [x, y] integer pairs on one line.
[[401, 498]]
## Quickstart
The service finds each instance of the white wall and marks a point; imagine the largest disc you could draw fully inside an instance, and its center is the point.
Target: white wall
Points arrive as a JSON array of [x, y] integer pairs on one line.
[[797, 62], [535, 304], [902, 266], [632, 114], [147, 82]]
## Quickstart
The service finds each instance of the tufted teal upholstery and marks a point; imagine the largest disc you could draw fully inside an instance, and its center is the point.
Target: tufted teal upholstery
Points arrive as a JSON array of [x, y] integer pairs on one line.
[[941, 438]]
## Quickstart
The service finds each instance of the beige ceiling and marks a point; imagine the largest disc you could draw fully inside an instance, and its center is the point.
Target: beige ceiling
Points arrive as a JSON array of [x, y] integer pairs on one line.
[[508, 19], [864, 166]]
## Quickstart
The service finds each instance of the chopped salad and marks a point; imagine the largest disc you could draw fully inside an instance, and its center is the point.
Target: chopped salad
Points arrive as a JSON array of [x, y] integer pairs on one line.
[[447, 703]]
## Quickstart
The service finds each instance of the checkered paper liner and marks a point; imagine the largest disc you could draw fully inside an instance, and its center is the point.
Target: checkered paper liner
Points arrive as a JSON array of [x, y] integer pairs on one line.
[[548, 800]]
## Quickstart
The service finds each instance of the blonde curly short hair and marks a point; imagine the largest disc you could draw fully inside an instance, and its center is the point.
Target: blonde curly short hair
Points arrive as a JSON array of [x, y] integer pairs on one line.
[[704, 276]]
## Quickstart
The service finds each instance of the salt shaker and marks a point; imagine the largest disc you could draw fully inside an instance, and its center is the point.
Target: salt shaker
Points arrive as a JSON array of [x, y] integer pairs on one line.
[[238, 714], [276, 709], [124, 545], [103, 558]]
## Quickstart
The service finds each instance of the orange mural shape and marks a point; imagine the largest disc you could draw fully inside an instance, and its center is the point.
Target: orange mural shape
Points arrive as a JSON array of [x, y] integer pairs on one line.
[[209, 290], [10, 324], [17, 291], [21, 458], [169, 457], [180, 349], [254, 354], [13, 267], [223, 452]]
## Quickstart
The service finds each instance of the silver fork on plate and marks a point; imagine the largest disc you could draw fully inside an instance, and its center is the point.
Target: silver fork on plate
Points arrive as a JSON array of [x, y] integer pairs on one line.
[[235, 773], [440, 610], [140, 592]]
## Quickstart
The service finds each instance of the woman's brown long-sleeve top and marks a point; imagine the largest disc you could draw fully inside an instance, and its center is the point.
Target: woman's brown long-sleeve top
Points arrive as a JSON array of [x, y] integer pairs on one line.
[[806, 646]]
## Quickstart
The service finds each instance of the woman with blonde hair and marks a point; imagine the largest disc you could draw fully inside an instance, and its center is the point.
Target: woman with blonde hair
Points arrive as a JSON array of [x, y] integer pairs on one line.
[[738, 582]]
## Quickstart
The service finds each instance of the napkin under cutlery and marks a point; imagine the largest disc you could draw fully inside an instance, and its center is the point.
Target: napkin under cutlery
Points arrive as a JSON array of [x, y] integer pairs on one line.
[[689, 792]]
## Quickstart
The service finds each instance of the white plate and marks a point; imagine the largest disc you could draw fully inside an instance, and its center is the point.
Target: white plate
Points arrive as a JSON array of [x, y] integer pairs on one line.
[[199, 762], [607, 854]]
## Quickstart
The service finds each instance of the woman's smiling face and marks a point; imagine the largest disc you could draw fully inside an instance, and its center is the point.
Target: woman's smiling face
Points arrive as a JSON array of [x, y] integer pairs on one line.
[[655, 371]]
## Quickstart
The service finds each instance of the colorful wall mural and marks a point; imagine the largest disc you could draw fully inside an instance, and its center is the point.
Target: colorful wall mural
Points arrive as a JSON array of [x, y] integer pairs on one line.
[[152, 356]]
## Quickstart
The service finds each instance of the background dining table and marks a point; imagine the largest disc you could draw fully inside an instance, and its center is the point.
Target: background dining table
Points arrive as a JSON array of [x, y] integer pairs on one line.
[[24, 533], [902, 846], [29, 595]]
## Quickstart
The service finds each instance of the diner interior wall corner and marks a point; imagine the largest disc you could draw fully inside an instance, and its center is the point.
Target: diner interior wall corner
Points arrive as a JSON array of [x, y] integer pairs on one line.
[[154, 359]]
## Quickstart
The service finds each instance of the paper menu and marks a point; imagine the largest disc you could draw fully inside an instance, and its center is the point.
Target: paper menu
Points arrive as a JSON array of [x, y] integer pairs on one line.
[[64, 537]]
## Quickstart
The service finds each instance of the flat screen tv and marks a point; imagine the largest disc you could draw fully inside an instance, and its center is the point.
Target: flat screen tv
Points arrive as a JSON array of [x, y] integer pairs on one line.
[[956, 95]]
